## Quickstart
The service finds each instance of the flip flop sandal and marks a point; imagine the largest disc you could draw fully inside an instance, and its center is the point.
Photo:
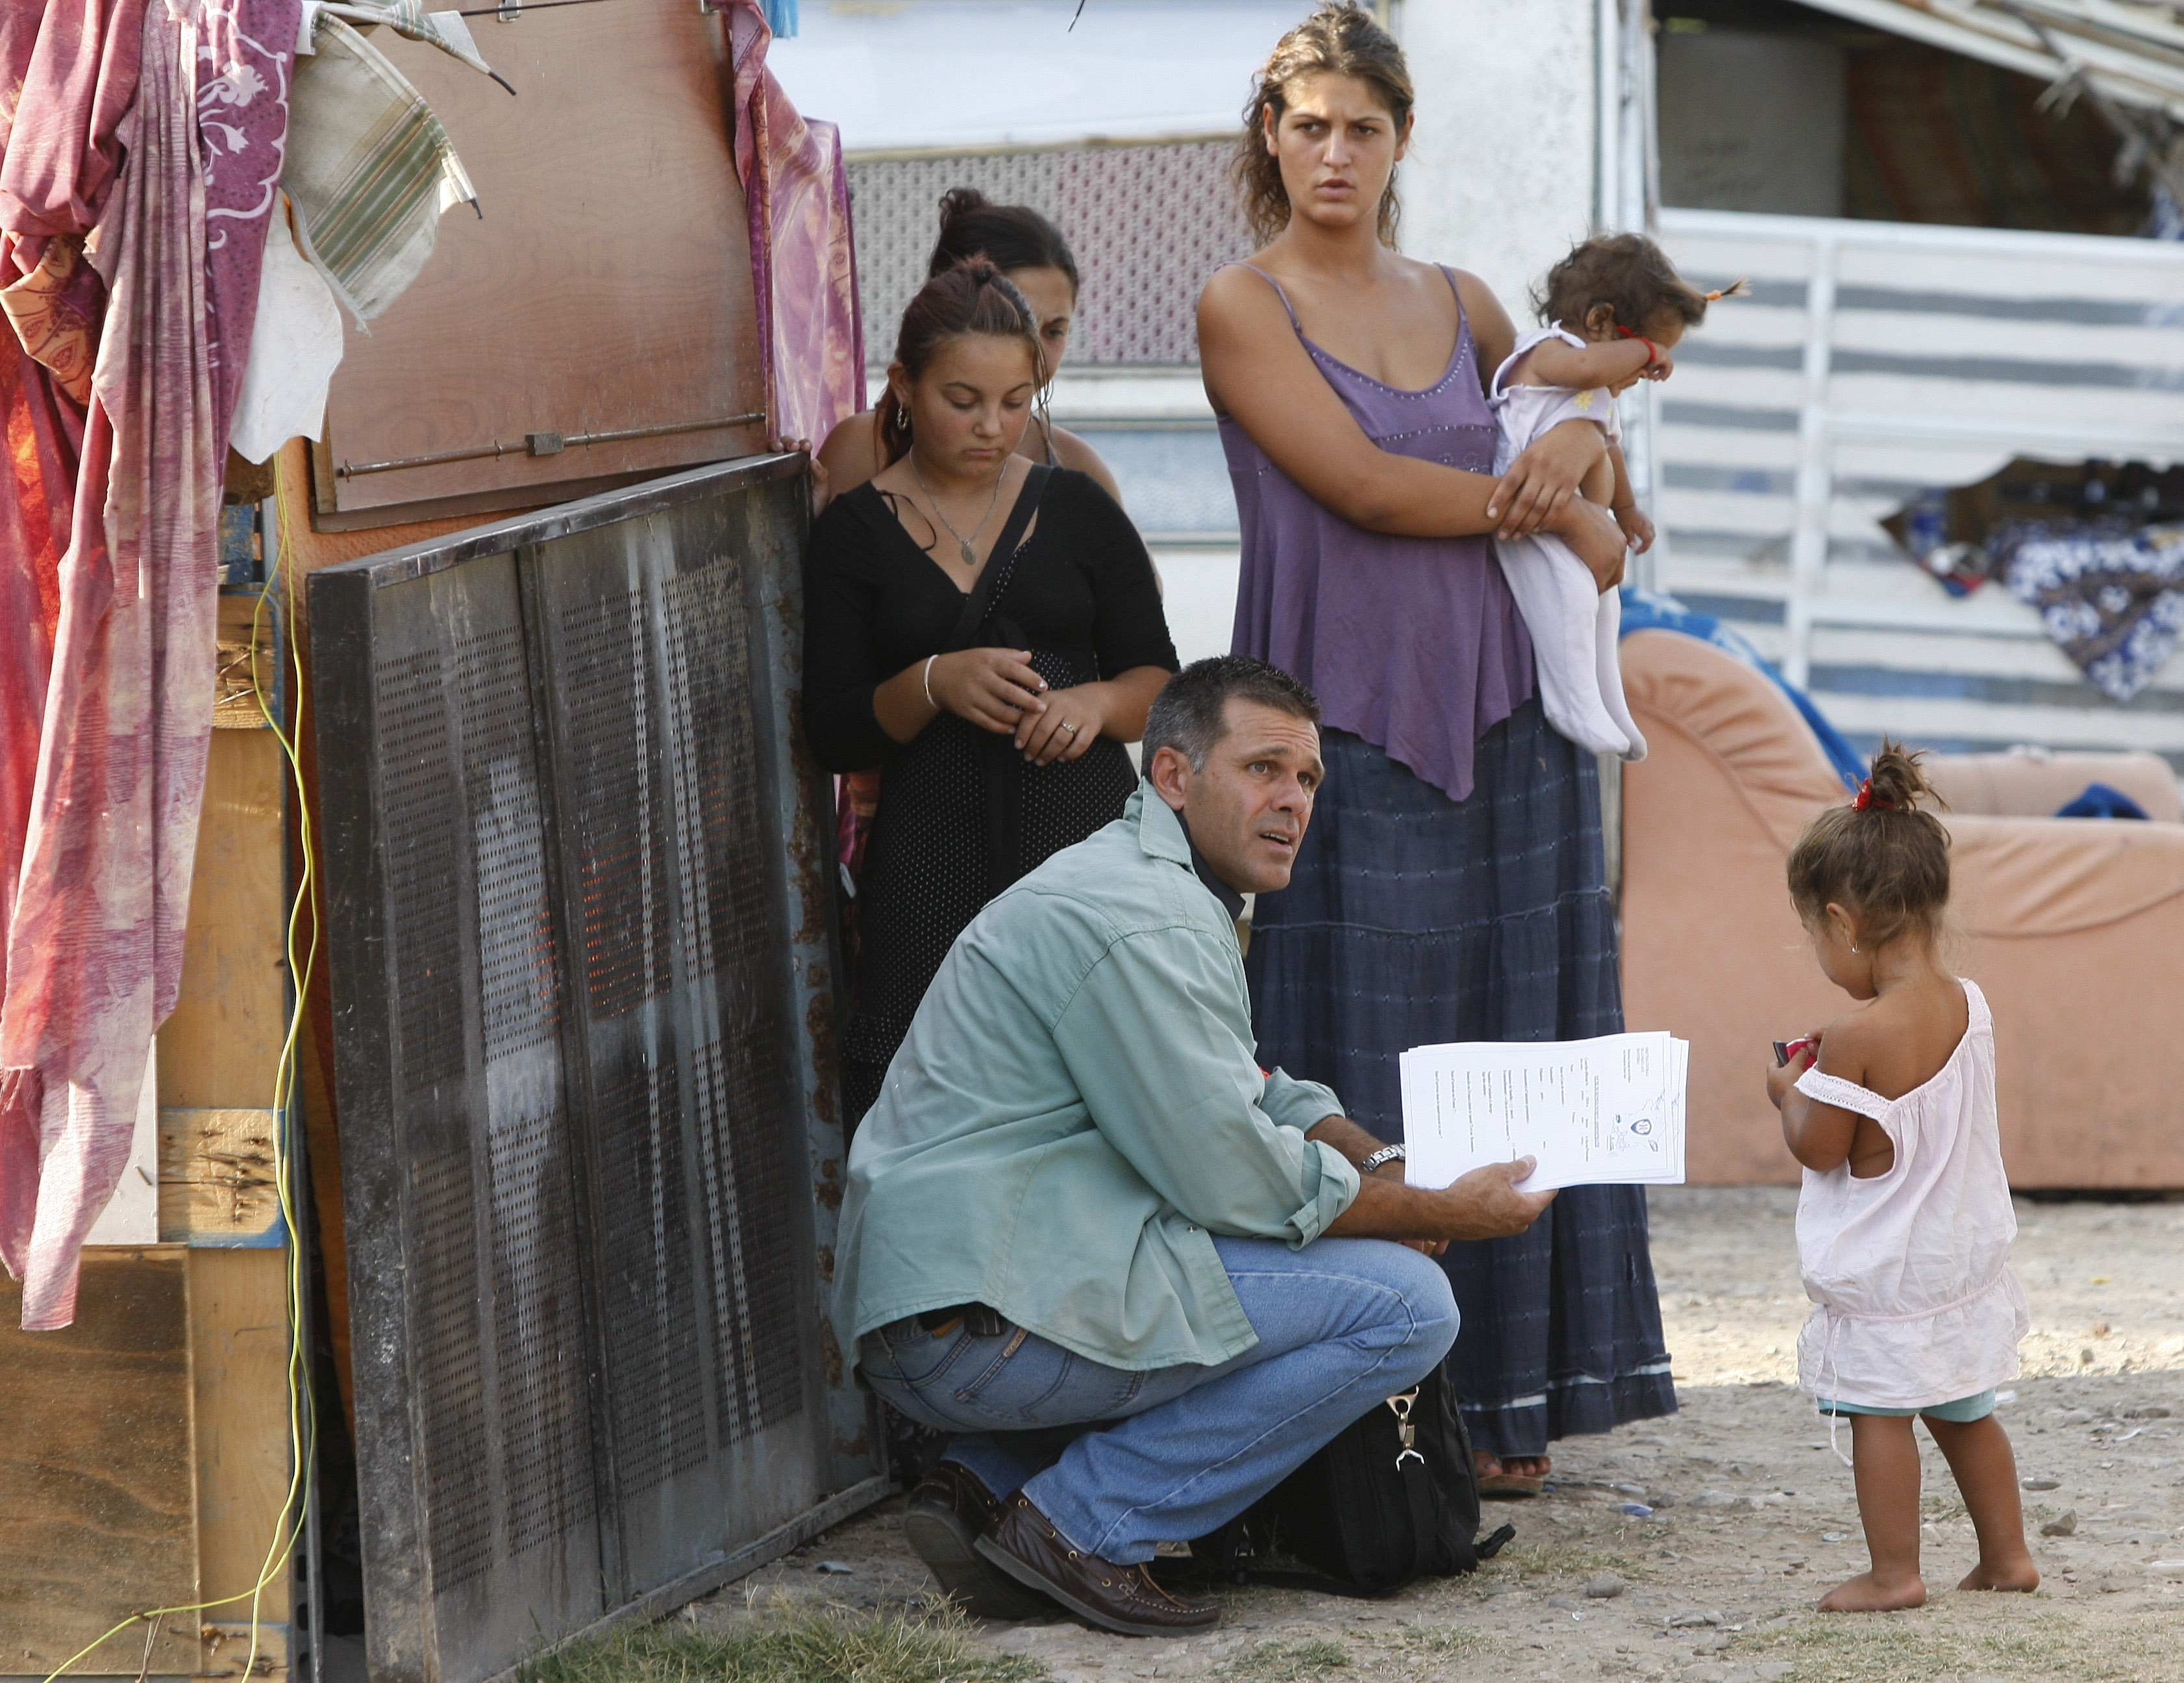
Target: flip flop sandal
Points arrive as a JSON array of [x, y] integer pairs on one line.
[[1505, 1486]]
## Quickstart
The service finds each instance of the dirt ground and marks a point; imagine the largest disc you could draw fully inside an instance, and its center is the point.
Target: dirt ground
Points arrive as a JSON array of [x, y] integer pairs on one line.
[[1751, 1518]]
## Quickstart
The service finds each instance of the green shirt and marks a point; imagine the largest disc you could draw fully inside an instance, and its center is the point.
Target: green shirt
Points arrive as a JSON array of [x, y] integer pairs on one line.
[[1077, 1110]]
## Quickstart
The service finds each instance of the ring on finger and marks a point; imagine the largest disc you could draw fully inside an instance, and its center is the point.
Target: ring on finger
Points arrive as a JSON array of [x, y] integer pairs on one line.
[[1069, 726]]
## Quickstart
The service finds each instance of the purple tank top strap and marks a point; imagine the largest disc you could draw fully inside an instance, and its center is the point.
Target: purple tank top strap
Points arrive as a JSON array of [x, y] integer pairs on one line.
[[1280, 294], [1463, 315]]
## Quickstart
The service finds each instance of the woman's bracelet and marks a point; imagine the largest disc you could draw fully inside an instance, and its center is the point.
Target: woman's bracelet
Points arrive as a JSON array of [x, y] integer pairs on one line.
[[927, 681]]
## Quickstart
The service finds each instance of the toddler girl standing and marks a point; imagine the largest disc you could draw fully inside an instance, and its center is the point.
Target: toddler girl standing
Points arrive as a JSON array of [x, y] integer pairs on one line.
[[1904, 1223]]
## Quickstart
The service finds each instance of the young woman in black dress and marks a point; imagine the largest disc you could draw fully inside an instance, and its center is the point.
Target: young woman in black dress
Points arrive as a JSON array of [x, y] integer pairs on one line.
[[985, 630]]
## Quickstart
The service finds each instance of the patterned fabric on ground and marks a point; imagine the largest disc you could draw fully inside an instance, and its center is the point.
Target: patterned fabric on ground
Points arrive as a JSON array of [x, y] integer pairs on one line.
[[2110, 595], [99, 889], [370, 169], [1413, 919]]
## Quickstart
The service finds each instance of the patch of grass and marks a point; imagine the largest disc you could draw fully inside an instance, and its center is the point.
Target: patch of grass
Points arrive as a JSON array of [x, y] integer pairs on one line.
[[1533, 1562], [791, 1641], [1287, 1662], [1920, 1647], [1433, 1642]]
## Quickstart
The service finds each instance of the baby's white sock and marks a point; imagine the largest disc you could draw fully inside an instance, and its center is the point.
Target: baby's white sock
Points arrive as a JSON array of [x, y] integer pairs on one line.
[[1560, 604], [1610, 666]]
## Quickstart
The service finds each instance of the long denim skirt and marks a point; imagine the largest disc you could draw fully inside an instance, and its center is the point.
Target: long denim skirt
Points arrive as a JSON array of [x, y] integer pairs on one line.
[[1413, 919]]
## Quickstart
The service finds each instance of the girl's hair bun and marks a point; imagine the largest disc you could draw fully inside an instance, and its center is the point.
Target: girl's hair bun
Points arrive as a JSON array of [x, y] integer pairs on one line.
[[959, 202], [1881, 854], [1010, 237], [1898, 780]]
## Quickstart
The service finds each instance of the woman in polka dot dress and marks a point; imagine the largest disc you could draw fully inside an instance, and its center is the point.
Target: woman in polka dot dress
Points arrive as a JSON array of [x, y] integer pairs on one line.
[[985, 630]]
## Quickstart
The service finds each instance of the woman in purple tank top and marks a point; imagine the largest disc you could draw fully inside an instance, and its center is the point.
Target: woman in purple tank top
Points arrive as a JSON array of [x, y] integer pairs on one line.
[[1452, 887]]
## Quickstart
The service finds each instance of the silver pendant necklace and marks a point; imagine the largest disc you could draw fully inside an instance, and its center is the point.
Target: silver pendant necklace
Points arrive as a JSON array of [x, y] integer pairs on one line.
[[966, 544]]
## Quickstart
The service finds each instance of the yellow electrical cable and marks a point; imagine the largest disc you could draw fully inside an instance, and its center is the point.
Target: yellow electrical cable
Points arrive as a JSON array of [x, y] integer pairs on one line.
[[303, 1417]]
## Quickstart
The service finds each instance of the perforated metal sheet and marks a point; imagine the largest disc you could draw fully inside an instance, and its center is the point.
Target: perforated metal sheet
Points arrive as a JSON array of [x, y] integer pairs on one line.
[[1146, 224], [583, 986]]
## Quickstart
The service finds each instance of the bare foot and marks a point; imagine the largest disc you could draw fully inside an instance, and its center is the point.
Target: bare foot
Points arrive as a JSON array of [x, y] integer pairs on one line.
[[1867, 1594], [2019, 1573], [1529, 1466]]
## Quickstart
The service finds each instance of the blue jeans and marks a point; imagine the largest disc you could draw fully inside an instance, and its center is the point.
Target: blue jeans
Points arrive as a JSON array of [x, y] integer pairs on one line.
[[1342, 1324]]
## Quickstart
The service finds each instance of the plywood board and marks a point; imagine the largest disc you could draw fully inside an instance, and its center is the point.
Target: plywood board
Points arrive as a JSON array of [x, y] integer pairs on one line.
[[239, 1362], [97, 1478], [218, 1049], [216, 1185], [608, 287]]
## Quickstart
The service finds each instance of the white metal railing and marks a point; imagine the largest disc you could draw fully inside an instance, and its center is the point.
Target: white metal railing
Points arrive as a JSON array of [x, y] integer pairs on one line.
[[2053, 404]]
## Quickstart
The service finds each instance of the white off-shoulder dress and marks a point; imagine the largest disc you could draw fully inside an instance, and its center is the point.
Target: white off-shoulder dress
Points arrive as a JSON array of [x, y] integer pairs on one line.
[[1917, 1303]]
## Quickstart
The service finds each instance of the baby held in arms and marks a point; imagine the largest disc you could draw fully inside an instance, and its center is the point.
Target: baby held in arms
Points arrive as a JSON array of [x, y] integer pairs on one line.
[[1904, 1223], [1614, 310]]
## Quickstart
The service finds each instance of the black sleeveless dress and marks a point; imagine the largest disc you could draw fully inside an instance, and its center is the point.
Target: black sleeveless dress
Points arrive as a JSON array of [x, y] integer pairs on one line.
[[962, 815]]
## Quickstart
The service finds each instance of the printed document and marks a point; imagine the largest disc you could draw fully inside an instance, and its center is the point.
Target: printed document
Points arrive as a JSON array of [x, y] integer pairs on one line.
[[1594, 1112]]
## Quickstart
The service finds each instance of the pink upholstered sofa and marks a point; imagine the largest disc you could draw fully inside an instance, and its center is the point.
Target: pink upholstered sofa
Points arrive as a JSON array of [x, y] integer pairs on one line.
[[2074, 928]]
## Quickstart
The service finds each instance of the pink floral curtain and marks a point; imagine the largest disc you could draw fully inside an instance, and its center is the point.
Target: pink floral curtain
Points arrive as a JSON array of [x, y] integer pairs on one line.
[[136, 180], [802, 261]]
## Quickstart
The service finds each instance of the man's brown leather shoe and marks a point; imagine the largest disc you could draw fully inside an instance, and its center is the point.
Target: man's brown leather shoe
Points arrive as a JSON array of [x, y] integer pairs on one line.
[[1119, 1598], [949, 1510]]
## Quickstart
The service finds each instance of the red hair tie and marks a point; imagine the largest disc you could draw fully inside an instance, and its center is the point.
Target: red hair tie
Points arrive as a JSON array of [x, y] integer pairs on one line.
[[1866, 799]]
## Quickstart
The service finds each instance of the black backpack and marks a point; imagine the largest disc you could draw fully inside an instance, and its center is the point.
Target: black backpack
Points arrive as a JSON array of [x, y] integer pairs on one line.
[[1394, 1496]]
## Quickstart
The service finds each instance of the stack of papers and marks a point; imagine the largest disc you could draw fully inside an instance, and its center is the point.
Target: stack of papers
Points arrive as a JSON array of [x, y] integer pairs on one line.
[[1608, 1112]]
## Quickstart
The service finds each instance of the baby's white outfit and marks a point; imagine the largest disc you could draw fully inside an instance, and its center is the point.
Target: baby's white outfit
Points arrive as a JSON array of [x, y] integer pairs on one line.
[[1572, 626], [1918, 1304]]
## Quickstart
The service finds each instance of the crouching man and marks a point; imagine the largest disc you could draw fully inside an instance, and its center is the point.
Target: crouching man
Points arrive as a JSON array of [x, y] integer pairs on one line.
[[1138, 1278]]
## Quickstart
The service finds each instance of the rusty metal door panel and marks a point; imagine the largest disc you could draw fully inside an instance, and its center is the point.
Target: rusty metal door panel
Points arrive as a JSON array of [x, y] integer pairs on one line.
[[582, 974]]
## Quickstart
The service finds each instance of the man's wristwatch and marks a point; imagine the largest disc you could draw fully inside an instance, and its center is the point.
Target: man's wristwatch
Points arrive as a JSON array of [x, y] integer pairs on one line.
[[1386, 1154]]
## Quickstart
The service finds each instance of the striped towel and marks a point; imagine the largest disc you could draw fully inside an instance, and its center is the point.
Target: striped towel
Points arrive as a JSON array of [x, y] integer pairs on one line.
[[444, 29], [370, 169]]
